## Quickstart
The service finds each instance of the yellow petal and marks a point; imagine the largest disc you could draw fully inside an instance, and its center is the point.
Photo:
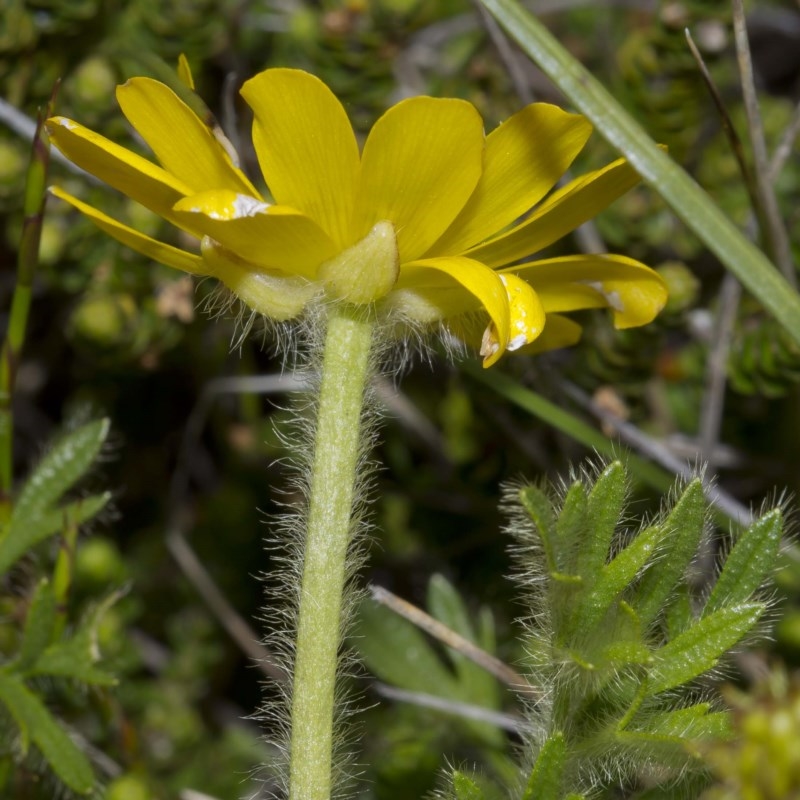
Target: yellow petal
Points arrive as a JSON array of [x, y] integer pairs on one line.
[[420, 165], [278, 296], [523, 159], [526, 312], [569, 207], [158, 251], [267, 236], [182, 142], [633, 292], [558, 332], [455, 285], [306, 147], [125, 171]]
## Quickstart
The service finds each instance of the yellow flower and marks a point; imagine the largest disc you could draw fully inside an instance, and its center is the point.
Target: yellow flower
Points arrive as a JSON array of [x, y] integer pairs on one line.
[[424, 222]]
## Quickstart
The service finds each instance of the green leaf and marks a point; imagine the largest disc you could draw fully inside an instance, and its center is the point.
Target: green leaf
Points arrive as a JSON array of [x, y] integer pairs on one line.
[[698, 649], [614, 578], [683, 530], [466, 788], [398, 653], [604, 509], [39, 626], [60, 469], [35, 721], [572, 529], [545, 780], [25, 533], [748, 563], [678, 614], [540, 509], [690, 723], [678, 189], [446, 605]]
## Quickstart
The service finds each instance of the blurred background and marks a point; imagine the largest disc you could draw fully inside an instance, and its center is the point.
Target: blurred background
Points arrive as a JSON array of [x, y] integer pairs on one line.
[[194, 450]]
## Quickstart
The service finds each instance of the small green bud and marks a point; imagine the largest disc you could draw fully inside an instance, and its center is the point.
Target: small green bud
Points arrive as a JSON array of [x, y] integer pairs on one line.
[[682, 284], [93, 82], [104, 320]]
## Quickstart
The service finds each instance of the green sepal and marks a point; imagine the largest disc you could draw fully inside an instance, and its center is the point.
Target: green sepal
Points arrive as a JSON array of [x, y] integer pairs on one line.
[[748, 563], [36, 724], [39, 626], [683, 530], [60, 469], [698, 649], [465, 788], [606, 500], [548, 771], [26, 532]]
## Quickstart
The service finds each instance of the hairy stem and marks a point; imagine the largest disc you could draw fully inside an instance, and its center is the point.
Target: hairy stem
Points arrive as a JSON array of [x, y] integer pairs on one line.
[[345, 371]]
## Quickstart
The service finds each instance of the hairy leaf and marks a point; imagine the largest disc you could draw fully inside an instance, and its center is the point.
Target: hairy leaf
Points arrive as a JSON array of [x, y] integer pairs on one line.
[[683, 530], [24, 533], [750, 560], [698, 649], [547, 775], [61, 469], [30, 714]]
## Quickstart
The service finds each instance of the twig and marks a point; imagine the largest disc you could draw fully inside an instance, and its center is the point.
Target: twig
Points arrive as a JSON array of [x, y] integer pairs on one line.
[[464, 710], [784, 148], [716, 366], [656, 451], [586, 235], [774, 230], [492, 665]]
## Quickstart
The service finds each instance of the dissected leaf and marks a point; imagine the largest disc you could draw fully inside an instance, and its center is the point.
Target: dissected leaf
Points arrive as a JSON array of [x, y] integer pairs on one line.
[[30, 714], [750, 560], [24, 533], [698, 649], [615, 577], [446, 605], [60, 469], [683, 531]]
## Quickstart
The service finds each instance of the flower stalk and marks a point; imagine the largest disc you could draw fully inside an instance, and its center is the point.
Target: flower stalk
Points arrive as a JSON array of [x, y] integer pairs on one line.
[[333, 494]]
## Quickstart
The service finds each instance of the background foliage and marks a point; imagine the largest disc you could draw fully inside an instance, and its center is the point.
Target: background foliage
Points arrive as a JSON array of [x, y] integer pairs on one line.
[[114, 336]]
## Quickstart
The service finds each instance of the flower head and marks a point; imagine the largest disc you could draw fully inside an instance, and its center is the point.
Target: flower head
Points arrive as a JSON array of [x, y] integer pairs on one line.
[[430, 222]]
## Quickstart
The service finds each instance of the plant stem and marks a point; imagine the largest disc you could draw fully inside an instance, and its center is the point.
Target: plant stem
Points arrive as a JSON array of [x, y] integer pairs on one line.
[[337, 447], [27, 260]]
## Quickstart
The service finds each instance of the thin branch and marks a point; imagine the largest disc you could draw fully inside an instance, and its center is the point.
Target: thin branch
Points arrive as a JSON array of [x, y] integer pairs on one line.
[[630, 435], [492, 665], [717, 366], [464, 710], [774, 230]]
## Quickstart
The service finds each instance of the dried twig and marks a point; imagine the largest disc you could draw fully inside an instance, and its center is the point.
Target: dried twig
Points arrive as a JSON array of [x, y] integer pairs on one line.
[[466, 648]]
